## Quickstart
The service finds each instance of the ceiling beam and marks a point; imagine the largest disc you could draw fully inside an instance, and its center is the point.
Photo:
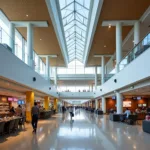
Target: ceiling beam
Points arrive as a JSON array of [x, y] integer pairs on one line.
[[123, 22], [34, 23], [52, 56], [95, 12], [103, 55]]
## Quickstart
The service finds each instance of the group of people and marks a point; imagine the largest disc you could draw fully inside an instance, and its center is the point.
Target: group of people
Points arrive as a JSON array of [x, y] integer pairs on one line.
[[19, 111], [128, 112]]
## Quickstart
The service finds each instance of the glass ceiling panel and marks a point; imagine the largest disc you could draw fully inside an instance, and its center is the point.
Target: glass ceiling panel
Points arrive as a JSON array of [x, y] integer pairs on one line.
[[75, 17]]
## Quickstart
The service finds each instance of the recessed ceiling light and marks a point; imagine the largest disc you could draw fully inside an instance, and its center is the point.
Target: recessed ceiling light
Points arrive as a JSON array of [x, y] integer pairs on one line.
[[40, 39], [134, 147], [104, 45], [109, 26], [27, 15]]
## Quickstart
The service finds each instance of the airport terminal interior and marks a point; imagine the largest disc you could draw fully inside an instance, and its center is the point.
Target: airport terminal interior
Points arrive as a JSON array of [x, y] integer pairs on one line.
[[74, 74]]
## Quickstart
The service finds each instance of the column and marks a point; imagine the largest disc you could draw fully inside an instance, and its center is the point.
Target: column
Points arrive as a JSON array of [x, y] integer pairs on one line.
[[23, 49], [12, 37], [92, 88], [102, 69], [29, 105], [95, 78], [89, 104], [118, 45], [103, 104], [38, 64], [46, 103], [136, 33], [56, 105], [55, 78], [47, 68], [30, 44], [119, 103], [96, 104]]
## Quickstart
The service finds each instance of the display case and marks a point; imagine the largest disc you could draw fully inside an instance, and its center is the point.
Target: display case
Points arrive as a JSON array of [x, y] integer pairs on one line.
[[4, 108]]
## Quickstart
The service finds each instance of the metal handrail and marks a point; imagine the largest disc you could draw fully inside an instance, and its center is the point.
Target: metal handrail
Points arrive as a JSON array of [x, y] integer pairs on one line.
[[133, 48]]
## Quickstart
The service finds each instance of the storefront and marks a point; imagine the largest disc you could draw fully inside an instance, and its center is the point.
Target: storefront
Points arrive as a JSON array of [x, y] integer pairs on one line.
[[131, 103], [7, 102]]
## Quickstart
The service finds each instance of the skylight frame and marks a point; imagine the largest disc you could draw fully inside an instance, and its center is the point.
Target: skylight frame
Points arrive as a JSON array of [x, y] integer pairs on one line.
[[75, 18]]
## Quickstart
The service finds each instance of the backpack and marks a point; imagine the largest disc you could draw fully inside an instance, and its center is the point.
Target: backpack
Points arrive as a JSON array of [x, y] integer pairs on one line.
[[130, 122]]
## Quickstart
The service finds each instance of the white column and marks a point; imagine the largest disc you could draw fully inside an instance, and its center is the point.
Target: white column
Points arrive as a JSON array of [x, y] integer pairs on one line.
[[38, 64], [118, 45], [103, 104], [102, 70], [47, 68], [136, 33], [119, 103], [23, 49], [96, 104], [12, 37], [92, 87], [55, 78], [30, 44], [95, 78]]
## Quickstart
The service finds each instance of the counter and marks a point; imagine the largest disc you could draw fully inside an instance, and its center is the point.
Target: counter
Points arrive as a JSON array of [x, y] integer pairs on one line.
[[45, 114]]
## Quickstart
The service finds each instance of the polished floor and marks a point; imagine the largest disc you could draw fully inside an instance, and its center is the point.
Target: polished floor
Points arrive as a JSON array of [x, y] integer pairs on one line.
[[86, 132]]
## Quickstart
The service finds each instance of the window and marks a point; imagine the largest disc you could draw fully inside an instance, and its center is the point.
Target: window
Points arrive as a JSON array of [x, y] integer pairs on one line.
[[18, 44], [76, 67], [75, 17]]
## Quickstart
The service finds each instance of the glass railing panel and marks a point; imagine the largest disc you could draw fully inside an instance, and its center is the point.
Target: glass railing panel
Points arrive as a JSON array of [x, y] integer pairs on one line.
[[135, 52], [18, 52]]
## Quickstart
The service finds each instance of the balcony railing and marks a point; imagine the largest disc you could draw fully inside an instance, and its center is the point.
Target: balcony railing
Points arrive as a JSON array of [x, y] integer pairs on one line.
[[141, 47], [20, 50]]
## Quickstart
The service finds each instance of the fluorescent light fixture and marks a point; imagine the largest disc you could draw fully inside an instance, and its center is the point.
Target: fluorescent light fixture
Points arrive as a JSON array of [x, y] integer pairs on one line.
[[102, 55], [51, 56]]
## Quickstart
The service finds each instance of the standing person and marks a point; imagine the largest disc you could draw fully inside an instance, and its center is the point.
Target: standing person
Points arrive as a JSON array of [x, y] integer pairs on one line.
[[148, 110], [127, 113], [71, 112], [12, 110], [35, 113], [63, 109], [19, 110]]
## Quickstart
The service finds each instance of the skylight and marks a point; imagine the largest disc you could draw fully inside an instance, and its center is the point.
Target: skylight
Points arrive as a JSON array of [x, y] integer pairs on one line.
[[75, 18]]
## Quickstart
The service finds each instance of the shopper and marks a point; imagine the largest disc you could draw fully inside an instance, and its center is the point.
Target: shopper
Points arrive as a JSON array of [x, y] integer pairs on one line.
[[19, 111], [127, 113], [35, 113], [12, 110], [63, 109], [71, 112]]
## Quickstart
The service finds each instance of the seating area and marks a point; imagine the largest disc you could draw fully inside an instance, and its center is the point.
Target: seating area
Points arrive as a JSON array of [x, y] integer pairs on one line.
[[45, 114], [118, 117], [146, 126], [11, 124], [93, 110]]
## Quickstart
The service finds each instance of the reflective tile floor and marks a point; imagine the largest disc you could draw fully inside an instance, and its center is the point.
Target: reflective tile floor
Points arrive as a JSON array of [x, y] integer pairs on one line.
[[86, 132]]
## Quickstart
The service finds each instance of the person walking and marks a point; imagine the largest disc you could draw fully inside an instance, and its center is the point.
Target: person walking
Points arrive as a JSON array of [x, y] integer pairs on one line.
[[71, 112], [35, 113]]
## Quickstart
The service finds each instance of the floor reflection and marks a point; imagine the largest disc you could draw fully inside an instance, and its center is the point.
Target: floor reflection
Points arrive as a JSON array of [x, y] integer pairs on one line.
[[86, 132]]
